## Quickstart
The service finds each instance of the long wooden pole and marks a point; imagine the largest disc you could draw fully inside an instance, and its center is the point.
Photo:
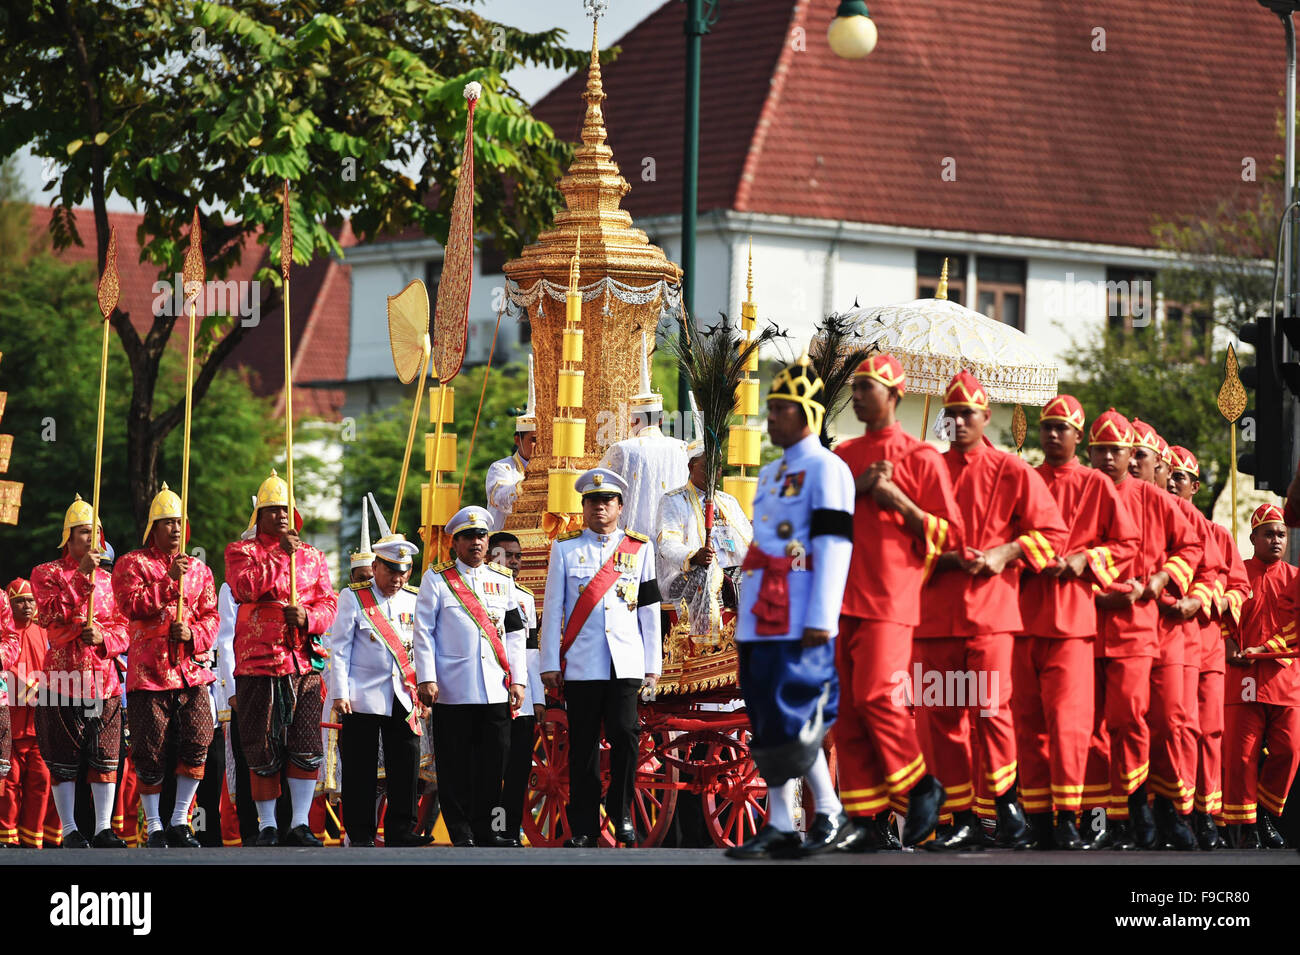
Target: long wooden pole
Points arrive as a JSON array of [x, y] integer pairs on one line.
[[185, 455], [437, 453], [925, 417], [286, 258], [410, 439], [481, 395], [99, 460]]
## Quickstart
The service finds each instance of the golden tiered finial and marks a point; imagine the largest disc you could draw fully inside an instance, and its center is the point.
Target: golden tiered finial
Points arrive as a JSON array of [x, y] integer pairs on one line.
[[593, 124], [942, 292], [573, 263], [748, 309], [749, 277]]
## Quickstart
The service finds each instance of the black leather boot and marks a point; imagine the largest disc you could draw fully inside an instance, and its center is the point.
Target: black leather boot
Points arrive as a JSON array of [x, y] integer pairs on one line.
[[1040, 829], [1013, 830], [1066, 834], [923, 804], [1142, 819], [1172, 827], [1269, 837], [966, 834], [887, 832]]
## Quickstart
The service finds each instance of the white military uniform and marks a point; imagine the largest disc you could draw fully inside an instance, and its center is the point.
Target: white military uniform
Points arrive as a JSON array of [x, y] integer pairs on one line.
[[681, 533], [503, 480], [620, 630], [362, 670], [224, 686], [652, 464], [451, 651], [532, 653]]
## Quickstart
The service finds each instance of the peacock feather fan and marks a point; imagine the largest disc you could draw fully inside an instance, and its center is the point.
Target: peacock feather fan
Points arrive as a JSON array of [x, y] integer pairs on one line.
[[712, 361], [835, 359]]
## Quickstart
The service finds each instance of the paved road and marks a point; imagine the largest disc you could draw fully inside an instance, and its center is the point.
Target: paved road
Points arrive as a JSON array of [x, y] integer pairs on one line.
[[450, 856]]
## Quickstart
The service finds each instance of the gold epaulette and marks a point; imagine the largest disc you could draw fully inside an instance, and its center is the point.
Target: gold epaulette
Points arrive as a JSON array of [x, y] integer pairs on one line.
[[526, 590], [637, 537], [439, 568], [359, 585], [411, 587], [569, 536], [499, 568]]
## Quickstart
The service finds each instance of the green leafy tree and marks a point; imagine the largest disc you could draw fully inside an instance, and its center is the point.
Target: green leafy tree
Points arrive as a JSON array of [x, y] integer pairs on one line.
[[172, 104], [51, 344]]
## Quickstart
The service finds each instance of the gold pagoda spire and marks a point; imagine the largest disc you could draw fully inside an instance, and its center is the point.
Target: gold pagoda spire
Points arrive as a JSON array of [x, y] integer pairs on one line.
[[573, 263], [942, 292], [593, 124]]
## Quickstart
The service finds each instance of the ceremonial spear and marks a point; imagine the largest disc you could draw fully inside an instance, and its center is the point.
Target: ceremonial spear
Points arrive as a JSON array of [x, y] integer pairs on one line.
[[107, 295], [286, 259], [192, 277]]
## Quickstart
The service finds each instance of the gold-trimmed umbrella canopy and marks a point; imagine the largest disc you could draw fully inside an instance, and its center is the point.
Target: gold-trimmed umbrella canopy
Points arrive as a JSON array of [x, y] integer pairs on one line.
[[408, 329], [935, 338]]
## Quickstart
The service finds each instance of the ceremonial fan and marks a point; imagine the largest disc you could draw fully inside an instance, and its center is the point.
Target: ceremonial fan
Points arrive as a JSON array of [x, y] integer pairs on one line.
[[408, 337]]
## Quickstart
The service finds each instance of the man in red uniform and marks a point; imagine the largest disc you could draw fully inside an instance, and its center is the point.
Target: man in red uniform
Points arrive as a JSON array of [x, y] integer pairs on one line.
[[904, 516], [1262, 696], [970, 614], [25, 795], [278, 660], [1171, 714], [1119, 757], [84, 714], [1204, 663], [167, 676], [1052, 668]]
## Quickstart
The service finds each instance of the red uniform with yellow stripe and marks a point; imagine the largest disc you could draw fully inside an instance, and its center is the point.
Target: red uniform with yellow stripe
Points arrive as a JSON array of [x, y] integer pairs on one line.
[[1053, 663], [878, 754], [968, 622]]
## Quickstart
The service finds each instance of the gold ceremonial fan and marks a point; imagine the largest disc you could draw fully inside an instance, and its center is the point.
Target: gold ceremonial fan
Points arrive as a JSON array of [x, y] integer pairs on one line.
[[408, 330]]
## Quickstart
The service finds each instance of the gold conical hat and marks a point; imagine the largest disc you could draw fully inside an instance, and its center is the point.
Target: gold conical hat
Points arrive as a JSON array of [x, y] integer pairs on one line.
[[273, 492], [165, 503], [408, 329], [77, 514]]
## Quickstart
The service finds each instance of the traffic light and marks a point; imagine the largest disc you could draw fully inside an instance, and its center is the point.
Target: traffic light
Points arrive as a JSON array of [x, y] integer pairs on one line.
[[1275, 381]]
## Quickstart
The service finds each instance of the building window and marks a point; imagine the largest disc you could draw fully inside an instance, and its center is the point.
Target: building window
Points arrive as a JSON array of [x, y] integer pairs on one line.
[[1000, 289], [1190, 327], [1130, 298], [432, 276], [929, 266]]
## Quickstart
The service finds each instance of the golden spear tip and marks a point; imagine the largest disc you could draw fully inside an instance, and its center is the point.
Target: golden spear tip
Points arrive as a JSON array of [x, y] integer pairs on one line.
[[942, 292]]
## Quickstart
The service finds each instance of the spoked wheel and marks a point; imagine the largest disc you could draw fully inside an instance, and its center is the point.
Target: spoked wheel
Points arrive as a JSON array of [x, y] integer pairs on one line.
[[545, 823], [735, 805]]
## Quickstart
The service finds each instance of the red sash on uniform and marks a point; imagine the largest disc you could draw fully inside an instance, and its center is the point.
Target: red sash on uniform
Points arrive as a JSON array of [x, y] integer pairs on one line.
[[772, 608], [594, 593], [384, 626], [478, 613]]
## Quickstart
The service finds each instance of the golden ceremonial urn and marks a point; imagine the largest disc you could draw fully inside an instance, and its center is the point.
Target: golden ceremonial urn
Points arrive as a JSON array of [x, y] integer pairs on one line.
[[584, 320]]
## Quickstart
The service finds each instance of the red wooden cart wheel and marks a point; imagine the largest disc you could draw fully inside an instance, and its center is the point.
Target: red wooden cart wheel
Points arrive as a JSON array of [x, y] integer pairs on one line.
[[736, 804], [654, 794]]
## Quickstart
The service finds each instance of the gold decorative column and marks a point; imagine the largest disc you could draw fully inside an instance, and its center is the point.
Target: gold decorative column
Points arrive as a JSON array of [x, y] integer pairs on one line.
[[744, 446]]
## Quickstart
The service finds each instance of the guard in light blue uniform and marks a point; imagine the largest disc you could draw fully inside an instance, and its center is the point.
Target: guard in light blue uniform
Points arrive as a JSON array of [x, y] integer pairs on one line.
[[601, 644], [795, 572]]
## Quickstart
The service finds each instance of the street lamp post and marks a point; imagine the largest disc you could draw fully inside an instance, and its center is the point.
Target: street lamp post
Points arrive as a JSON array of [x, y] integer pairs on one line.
[[852, 35]]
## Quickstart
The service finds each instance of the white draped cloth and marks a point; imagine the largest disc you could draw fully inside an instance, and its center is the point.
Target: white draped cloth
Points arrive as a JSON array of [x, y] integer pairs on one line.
[[696, 592], [503, 480], [652, 464]]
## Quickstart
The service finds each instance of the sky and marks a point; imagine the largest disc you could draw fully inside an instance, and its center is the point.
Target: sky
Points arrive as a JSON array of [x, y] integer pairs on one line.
[[533, 83]]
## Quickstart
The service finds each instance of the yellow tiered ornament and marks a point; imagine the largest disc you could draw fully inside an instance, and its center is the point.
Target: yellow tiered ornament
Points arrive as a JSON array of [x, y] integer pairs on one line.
[[569, 432], [744, 447]]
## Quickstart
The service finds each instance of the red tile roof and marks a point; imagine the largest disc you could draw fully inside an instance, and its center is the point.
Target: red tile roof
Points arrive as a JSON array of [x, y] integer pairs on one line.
[[1051, 139], [320, 303]]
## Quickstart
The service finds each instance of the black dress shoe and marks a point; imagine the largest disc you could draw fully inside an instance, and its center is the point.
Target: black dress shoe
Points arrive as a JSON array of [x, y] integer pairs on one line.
[[888, 831], [625, 833], [107, 839], [465, 844], [156, 840], [579, 842], [1173, 828], [75, 840], [966, 834], [1248, 837], [1065, 834], [269, 836], [496, 842], [923, 804], [1103, 839], [410, 840], [768, 842], [1144, 825], [181, 837], [826, 833], [1040, 830], [302, 836], [1123, 838], [362, 844], [1269, 837], [1013, 830], [863, 836], [1207, 834]]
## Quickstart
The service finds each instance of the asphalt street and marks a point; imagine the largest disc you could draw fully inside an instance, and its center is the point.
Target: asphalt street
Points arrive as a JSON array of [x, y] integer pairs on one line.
[[550, 857]]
